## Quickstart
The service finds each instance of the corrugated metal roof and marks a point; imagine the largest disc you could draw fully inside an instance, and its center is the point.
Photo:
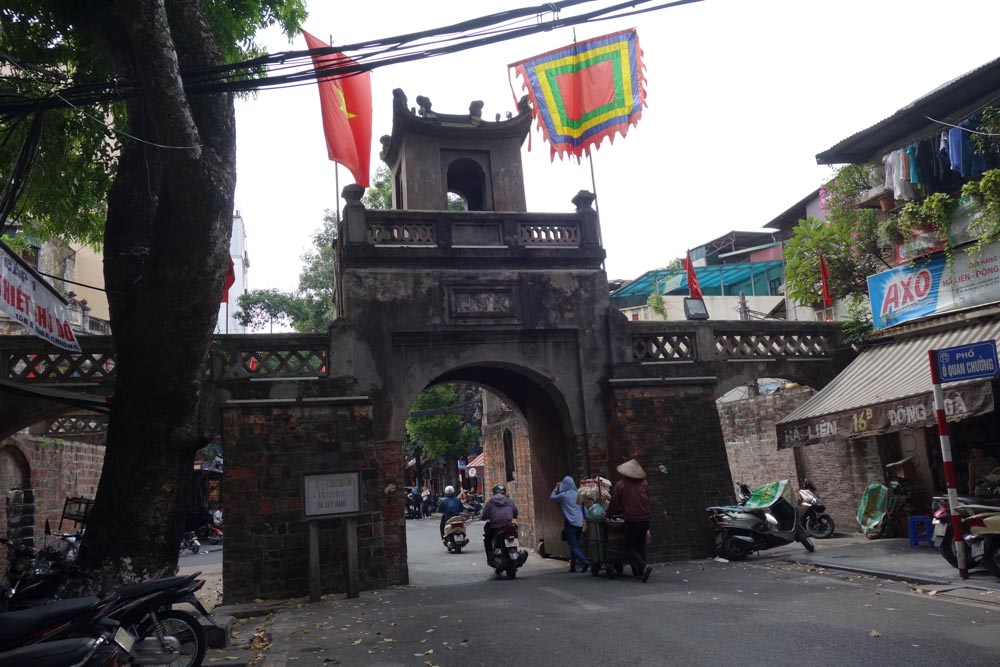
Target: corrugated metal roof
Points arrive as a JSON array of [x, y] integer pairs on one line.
[[674, 281], [889, 372], [949, 102]]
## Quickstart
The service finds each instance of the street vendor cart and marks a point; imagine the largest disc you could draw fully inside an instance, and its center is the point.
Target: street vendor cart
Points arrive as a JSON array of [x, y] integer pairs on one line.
[[606, 547]]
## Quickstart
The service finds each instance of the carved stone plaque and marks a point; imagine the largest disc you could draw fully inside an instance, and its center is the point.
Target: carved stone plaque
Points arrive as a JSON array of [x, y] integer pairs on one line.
[[482, 302]]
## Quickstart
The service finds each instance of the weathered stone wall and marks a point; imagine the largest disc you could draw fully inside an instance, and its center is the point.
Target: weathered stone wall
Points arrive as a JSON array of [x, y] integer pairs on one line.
[[268, 449], [751, 440], [676, 426]]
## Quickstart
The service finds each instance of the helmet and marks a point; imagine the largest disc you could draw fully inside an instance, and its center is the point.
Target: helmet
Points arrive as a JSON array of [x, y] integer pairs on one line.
[[449, 490], [500, 489]]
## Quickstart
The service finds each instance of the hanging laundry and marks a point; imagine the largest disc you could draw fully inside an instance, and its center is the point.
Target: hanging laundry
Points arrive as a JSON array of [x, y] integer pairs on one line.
[[911, 157]]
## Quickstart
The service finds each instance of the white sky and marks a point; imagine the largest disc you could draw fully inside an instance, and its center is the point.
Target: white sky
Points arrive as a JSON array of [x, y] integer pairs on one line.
[[742, 94]]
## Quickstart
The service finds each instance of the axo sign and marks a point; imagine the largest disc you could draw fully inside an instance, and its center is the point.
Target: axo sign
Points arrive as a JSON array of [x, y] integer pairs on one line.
[[967, 362]]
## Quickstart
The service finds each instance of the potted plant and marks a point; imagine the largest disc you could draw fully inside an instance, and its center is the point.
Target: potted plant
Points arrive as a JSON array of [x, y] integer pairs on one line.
[[985, 193]]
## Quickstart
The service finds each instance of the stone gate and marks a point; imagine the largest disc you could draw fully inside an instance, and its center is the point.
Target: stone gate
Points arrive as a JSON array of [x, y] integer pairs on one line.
[[513, 301]]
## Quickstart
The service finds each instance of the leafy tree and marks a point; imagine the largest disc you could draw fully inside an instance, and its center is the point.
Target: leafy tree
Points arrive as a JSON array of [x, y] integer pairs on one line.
[[264, 308], [159, 170], [848, 240], [379, 194], [443, 423], [311, 307]]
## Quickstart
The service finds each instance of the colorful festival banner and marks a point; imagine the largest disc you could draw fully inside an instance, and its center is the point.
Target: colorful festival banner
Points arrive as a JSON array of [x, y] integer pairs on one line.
[[931, 287], [32, 302], [587, 91]]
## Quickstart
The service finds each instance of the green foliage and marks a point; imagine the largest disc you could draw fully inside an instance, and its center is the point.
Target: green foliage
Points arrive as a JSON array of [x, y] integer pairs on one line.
[[986, 194], [655, 303], [379, 195], [930, 214], [848, 240], [259, 309], [65, 196], [444, 432], [311, 307], [858, 325]]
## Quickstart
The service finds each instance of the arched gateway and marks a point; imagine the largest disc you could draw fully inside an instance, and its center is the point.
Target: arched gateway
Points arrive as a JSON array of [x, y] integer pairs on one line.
[[513, 301]]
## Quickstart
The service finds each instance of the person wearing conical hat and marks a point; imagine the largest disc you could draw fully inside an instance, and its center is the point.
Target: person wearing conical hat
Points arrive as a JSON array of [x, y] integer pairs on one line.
[[630, 499]]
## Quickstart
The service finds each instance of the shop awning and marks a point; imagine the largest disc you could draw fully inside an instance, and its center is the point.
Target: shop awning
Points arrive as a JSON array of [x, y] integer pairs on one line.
[[477, 465], [76, 399], [888, 388]]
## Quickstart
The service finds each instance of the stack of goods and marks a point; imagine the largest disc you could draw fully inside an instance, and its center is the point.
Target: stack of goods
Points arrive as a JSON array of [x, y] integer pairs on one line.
[[594, 495]]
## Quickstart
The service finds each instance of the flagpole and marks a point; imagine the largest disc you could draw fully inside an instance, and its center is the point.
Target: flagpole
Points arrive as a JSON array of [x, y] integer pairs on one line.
[[336, 176]]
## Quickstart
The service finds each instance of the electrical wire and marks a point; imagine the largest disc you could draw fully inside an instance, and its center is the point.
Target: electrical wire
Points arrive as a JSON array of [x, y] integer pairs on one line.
[[294, 67]]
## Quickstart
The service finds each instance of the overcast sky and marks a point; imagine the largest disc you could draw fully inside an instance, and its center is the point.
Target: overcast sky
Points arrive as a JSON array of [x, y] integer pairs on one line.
[[742, 94]]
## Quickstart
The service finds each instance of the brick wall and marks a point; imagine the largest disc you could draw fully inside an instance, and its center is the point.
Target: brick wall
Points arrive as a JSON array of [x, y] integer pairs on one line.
[[267, 451], [751, 440], [676, 427], [501, 419], [840, 471]]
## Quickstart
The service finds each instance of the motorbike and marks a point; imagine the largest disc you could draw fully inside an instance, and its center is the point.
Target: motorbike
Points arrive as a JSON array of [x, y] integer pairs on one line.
[[162, 635], [473, 508], [454, 534], [34, 574], [507, 553], [817, 522], [189, 542], [941, 521], [766, 520], [108, 648], [984, 529], [210, 532], [885, 510]]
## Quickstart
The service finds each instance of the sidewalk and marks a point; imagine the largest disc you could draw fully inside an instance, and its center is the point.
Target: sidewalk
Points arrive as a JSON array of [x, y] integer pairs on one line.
[[888, 558]]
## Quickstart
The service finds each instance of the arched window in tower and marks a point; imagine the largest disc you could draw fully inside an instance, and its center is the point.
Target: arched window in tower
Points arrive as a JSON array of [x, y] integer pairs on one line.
[[508, 455], [467, 179]]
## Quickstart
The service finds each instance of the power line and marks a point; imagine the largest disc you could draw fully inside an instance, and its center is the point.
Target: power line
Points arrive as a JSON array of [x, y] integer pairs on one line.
[[297, 68]]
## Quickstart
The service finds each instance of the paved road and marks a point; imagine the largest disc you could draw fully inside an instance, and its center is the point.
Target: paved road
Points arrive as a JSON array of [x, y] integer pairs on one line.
[[694, 613]]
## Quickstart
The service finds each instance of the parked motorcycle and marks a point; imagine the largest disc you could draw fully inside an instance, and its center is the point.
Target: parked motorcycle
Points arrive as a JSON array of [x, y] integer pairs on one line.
[[473, 508], [163, 635], [507, 553], [941, 521], [454, 534], [189, 542], [107, 648], [817, 522], [984, 529], [885, 510], [767, 519]]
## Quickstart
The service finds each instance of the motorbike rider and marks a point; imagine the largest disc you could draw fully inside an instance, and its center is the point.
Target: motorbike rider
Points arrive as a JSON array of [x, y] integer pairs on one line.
[[498, 512], [450, 507]]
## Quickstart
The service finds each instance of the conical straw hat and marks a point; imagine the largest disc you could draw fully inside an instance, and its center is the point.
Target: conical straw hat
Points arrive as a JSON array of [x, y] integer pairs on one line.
[[631, 468]]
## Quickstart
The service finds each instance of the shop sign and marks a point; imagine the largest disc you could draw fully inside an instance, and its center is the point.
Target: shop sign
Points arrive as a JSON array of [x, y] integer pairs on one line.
[[906, 413], [32, 302], [912, 291]]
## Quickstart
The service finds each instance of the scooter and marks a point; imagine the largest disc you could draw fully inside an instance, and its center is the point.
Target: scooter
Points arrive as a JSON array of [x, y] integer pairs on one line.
[[189, 542], [817, 522], [984, 529], [107, 648], [941, 521], [507, 552], [454, 534], [767, 519]]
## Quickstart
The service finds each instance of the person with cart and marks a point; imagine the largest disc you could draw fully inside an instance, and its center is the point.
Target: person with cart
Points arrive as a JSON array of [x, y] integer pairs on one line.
[[630, 498], [565, 494]]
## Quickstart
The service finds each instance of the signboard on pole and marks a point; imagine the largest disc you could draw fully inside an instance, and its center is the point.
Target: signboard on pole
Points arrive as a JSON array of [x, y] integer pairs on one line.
[[967, 362], [332, 494]]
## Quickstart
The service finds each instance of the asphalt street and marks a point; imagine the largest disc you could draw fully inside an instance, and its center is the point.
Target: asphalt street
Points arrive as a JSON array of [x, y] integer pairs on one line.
[[692, 613]]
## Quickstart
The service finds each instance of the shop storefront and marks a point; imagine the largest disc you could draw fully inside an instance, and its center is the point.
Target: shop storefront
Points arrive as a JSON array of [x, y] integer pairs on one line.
[[882, 401]]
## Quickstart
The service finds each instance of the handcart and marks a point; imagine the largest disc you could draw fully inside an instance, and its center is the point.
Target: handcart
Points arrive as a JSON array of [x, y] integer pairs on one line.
[[606, 547]]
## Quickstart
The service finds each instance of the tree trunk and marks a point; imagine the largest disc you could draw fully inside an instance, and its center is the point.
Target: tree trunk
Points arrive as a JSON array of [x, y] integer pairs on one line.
[[166, 244]]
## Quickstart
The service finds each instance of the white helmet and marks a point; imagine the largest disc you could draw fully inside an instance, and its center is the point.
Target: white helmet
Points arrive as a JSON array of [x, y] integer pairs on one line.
[[449, 490]]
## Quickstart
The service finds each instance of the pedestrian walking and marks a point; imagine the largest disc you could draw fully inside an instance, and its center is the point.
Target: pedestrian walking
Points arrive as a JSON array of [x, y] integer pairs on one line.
[[425, 503], [630, 498], [565, 494]]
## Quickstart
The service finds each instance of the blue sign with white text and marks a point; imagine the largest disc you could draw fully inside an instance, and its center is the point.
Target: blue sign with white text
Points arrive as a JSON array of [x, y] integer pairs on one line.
[[967, 362]]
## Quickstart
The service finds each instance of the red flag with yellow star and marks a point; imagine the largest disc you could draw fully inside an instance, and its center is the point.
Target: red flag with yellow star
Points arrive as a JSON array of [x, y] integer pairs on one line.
[[346, 103]]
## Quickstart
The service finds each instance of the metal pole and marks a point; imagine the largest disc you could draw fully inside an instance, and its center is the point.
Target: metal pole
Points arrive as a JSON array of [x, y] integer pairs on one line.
[[315, 585], [949, 465]]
